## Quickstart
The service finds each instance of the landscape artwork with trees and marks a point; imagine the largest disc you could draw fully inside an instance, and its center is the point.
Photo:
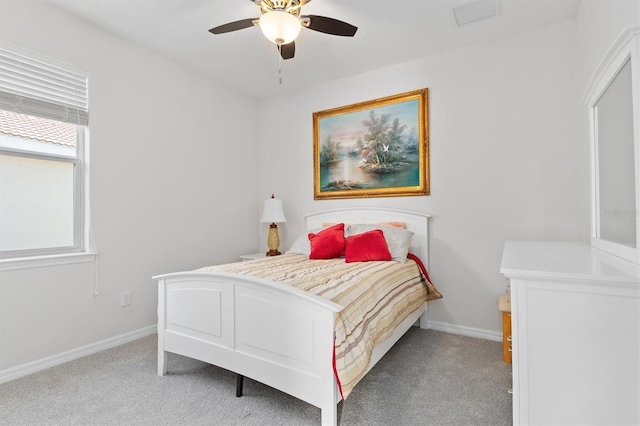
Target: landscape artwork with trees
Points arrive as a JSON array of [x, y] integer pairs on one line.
[[378, 148]]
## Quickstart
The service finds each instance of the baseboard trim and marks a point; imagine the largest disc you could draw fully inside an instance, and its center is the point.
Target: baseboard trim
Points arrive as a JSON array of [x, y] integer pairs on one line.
[[465, 331], [51, 361], [44, 363]]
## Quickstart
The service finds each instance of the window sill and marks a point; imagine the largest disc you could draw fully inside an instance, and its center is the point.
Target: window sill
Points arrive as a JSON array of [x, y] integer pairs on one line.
[[46, 261]]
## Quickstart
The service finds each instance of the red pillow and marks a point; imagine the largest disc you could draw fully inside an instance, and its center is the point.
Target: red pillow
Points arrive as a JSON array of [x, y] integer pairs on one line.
[[328, 243], [366, 247]]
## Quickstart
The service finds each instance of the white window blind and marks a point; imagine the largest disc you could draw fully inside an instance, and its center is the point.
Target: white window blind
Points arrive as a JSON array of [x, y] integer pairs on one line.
[[39, 88]]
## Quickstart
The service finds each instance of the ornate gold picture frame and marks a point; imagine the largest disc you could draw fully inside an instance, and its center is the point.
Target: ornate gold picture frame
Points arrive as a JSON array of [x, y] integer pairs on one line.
[[377, 148]]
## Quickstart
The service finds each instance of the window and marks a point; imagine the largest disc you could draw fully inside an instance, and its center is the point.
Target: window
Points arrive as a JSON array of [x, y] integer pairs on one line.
[[43, 124]]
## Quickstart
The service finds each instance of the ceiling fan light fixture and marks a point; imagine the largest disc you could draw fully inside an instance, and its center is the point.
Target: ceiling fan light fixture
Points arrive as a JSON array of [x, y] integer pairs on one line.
[[280, 27]]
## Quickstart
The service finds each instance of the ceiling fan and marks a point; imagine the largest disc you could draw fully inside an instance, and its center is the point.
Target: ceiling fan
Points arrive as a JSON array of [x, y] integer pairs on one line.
[[281, 22]]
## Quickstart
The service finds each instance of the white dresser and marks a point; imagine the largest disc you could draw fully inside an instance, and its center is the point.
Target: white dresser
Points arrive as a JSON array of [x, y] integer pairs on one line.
[[575, 314]]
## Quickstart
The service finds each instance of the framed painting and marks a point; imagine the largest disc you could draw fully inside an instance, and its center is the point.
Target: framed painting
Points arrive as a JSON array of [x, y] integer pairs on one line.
[[377, 148]]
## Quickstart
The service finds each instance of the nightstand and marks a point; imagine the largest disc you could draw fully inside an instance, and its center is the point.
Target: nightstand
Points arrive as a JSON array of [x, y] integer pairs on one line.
[[253, 256], [504, 304]]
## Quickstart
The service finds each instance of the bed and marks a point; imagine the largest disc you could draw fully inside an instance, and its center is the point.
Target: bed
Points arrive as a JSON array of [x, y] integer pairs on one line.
[[269, 331]]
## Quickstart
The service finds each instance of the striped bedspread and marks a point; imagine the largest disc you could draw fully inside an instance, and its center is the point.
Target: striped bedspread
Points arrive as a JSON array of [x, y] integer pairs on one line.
[[376, 296]]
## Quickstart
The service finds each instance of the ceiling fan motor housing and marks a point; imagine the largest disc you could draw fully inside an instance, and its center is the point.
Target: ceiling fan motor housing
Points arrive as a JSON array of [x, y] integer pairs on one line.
[[289, 6]]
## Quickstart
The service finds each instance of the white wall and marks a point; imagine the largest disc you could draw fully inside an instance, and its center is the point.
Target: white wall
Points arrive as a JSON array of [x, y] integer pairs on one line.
[[506, 162], [173, 169]]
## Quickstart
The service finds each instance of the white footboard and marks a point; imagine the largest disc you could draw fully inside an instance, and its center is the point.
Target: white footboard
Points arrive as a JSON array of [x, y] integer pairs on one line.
[[270, 332]]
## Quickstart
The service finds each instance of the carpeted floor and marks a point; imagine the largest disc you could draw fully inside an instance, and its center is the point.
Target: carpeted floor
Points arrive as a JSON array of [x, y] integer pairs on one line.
[[427, 378]]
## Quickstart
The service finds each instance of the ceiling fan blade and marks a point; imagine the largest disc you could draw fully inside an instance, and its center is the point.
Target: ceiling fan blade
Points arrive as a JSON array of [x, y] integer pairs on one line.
[[287, 51], [328, 25], [233, 26]]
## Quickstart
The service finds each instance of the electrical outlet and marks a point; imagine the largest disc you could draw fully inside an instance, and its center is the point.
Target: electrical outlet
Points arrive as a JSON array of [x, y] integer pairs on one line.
[[125, 298]]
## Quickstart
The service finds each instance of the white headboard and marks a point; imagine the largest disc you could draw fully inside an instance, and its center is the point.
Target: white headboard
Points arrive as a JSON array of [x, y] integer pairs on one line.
[[418, 223]]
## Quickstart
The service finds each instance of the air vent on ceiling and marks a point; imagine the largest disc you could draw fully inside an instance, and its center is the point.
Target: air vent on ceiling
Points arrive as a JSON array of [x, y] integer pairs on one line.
[[475, 10]]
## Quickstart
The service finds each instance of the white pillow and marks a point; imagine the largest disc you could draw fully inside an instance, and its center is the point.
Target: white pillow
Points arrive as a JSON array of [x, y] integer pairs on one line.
[[302, 245], [398, 239]]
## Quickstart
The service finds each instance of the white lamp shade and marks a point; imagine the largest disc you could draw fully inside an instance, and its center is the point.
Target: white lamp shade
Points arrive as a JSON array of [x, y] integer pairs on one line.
[[280, 27], [272, 211]]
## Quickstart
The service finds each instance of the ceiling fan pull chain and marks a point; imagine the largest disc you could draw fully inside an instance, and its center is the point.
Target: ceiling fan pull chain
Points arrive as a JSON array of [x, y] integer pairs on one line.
[[279, 63]]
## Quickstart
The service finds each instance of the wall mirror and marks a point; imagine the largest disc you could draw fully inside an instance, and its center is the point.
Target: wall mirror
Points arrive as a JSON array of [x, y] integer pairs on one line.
[[614, 106]]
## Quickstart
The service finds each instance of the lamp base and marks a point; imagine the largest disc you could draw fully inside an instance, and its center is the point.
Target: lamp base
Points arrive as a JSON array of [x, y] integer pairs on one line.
[[273, 241]]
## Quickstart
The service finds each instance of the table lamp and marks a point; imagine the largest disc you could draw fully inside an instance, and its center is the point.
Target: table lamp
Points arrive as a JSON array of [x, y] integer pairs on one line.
[[272, 213]]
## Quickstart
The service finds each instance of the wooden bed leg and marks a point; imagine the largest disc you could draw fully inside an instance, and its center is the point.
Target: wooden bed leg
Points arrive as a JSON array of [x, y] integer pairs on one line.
[[239, 383], [162, 354], [424, 320], [162, 362], [330, 415]]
